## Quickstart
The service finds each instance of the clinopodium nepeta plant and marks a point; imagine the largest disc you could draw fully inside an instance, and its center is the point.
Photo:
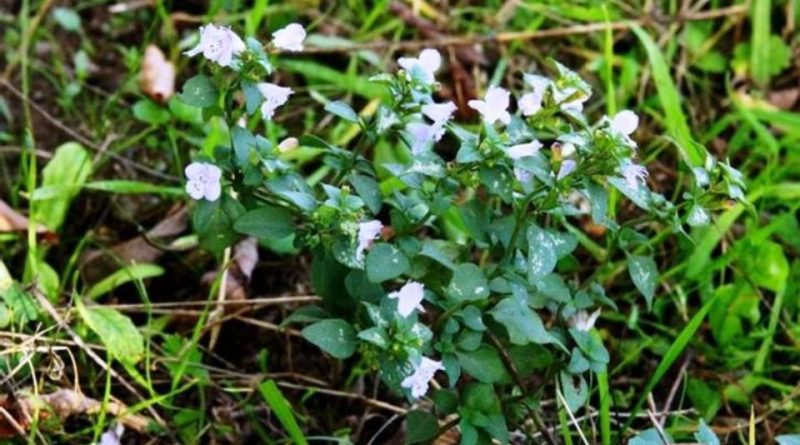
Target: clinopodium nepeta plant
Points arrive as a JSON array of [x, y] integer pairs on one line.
[[466, 269]]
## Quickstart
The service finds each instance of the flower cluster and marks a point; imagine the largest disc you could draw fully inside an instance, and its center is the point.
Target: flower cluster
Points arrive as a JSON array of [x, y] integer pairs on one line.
[[463, 251]]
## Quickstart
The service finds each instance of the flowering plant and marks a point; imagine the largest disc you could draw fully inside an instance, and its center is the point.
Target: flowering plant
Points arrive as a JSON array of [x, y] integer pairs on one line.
[[464, 270]]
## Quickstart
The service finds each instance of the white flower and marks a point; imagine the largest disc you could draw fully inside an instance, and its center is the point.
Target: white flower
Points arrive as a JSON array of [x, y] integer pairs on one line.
[[289, 38], [522, 175], [567, 149], [288, 144], [440, 114], [367, 233], [218, 44], [567, 167], [409, 298], [428, 62], [203, 181], [633, 174], [112, 436], [421, 134], [530, 103], [274, 97], [538, 83], [584, 321], [418, 381], [624, 123], [493, 107], [522, 150]]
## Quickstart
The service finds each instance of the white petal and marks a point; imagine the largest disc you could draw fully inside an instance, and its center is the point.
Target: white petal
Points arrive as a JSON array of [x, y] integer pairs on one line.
[[367, 232], [498, 98], [567, 167], [439, 113], [290, 38], [195, 170], [195, 189], [537, 82], [477, 105], [430, 60], [409, 298], [288, 144], [421, 135], [567, 149], [530, 103], [212, 172], [194, 51], [212, 191], [625, 122], [522, 150], [407, 63]]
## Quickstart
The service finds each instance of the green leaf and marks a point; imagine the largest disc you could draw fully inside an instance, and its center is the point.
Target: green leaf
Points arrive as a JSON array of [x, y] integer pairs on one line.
[[252, 97], [134, 272], [766, 265], [199, 91], [421, 426], [368, 189], [67, 18], [115, 330], [121, 186], [468, 284], [788, 439], [214, 221], [676, 120], [522, 323], [342, 110], [266, 222], [22, 305], [67, 171], [650, 437], [705, 436], [149, 112], [375, 335], [574, 389], [644, 273], [384, 262], [244, 143], [282, 410], [542, 255], [761, 17], [484, 364], [334, 336]]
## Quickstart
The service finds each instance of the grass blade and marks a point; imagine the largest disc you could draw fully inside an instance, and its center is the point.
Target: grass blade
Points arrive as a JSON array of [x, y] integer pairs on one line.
[[759, 48], [676, 121], [605, 407], [283, 411], [673, 353]]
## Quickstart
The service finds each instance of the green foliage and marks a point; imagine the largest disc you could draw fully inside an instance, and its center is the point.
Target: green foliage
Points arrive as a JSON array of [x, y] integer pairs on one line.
[[115, 330], [491, 291], [62, 179], [282, 410], [334, 336]]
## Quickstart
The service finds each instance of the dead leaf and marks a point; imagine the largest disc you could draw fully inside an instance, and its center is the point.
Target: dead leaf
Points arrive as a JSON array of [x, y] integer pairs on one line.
[[61, 403], [157, 78], [243, 262], [96, 264], [12, 221], [784, 99]]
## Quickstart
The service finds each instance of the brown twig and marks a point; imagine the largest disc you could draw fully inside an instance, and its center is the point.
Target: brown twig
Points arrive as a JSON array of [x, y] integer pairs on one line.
[[48, 307]]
